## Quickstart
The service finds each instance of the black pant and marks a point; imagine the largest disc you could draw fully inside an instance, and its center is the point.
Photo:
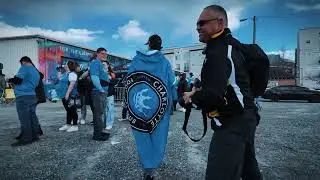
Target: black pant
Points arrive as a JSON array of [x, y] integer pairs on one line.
[[99, 104], [72, 114], [85, 100], [175, 102], [124, 112], [232, 152]]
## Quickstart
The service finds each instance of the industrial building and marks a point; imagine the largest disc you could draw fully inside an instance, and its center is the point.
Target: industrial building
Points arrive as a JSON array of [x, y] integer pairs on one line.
[[47, 54], [308, 58], [190, 59]]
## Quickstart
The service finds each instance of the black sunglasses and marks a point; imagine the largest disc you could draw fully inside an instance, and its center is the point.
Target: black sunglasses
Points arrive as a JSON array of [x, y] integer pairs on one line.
[[203, 22]]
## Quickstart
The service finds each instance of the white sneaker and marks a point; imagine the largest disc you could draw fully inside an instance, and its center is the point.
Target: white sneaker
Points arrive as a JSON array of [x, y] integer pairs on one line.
[[65, 127], [182, 109], [73, 128], [121, 119], [82, 122], [108, 127]]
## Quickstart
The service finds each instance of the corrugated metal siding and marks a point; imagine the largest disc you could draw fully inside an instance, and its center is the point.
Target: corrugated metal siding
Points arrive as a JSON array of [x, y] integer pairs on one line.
[[309, 57], [12, 50]]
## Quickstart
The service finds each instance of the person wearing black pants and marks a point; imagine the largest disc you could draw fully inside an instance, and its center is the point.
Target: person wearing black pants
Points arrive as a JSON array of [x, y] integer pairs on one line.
[[227, 96], [232, 149], [70, 95], [124, 112], [100, 80]]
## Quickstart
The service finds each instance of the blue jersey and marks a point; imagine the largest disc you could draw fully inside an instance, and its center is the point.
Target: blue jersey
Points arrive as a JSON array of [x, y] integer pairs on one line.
[[31, 77], [97, 69]]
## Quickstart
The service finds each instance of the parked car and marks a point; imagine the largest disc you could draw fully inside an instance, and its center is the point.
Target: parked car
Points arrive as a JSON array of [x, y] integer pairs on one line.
[[292, 92]]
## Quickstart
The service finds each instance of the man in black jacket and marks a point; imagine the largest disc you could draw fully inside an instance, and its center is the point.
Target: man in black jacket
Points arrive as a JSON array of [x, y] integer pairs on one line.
[[226, 97], [84, 90]]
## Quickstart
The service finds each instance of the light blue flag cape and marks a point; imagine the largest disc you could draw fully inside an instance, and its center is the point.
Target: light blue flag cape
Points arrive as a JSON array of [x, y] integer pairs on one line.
[[149, 89], [62, 86]]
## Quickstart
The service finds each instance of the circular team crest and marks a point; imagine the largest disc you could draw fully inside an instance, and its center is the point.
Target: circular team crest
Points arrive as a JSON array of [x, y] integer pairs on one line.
[[147, 99]]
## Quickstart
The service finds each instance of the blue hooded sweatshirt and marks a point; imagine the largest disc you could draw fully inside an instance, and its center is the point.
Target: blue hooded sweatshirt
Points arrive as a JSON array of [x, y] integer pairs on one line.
[[31, 77], [149, 88]]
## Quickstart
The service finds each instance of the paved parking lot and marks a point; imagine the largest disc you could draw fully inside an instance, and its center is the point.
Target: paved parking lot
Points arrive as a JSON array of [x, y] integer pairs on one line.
[[288, 143]]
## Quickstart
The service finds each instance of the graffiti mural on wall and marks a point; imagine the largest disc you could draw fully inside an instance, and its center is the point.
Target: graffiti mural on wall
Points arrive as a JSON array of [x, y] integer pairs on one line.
[[53, 55]]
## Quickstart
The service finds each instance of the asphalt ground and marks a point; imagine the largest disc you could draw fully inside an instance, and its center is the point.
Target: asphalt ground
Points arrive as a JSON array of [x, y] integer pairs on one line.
[[287, 147]]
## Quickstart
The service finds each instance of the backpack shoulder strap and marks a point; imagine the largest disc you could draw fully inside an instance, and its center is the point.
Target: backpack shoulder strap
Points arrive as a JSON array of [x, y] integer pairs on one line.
[[186, 119]]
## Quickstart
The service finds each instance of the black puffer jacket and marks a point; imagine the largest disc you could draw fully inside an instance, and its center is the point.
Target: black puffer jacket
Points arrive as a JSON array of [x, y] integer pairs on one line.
[[111, 89], [224, 79]]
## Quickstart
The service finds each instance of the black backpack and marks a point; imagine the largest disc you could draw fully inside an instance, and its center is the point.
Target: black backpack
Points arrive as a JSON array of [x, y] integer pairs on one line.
[[40, 93], [257, 63]]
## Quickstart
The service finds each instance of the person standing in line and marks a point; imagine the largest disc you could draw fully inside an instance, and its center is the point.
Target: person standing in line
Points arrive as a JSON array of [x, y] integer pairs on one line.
[[69, 99], [86, 85], [182, 87], [100, 79], [41, 98], [25, 83], [175, 93], [109, 112], [84, 88], [123, 104], [123, 112]]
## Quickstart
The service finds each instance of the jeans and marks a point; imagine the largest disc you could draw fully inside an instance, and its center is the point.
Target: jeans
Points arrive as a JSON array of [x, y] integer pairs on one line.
[[99, 103], [232, 152], [109, 112], [26, 108]]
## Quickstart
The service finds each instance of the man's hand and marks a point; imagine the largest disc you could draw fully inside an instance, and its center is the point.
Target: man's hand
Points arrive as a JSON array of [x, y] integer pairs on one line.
[[187, 97]]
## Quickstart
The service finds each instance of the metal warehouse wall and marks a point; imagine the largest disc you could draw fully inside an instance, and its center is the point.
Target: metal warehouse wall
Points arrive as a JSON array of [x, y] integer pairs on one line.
[[309, 57], [12, 50]]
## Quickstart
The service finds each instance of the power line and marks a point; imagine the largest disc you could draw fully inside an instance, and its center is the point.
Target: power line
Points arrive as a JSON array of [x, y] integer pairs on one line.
[[288, 16]]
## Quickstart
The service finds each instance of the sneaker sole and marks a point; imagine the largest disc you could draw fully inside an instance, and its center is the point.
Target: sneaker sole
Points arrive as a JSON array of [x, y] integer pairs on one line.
[[73, 130]]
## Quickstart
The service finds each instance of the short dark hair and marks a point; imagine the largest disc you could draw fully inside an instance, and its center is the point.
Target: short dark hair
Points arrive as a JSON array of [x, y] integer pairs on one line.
[[72, 65], [220, 10], [25, 59], [99, 50]]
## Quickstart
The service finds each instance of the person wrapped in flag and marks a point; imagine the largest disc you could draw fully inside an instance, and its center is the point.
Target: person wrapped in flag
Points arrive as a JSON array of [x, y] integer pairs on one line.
[[149, 92]]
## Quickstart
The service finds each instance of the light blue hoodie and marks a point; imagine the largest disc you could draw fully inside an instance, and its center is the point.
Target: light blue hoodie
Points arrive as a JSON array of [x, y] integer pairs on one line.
[[150, 87]]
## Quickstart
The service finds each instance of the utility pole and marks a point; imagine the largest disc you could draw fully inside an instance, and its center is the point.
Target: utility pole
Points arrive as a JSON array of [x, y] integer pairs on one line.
[[254, 19], [254, 29]]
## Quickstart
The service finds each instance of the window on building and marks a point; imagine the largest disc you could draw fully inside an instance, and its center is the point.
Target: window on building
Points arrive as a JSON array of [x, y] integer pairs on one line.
[[186, 67], [308, 41], [177, 66]]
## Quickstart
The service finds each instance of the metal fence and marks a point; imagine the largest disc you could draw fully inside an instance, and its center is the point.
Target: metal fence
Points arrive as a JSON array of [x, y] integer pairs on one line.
[[120, 93]]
